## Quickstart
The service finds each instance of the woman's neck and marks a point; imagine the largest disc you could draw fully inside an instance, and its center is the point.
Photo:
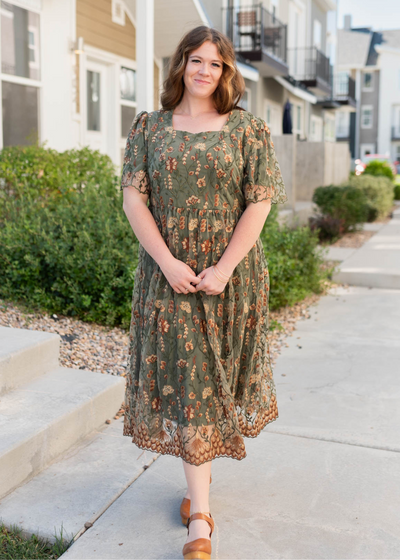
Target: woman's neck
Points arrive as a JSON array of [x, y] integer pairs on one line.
[[194, 106]]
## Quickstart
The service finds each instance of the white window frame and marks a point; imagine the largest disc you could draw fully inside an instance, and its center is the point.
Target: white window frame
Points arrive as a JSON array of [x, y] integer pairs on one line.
[[295, 112], [329, 127], [316, 124], [371, 88], [342, 124], [118, 12], [26, 81], [363, 109], [274, 122], [35, 47], [317, 34], [248, 91]]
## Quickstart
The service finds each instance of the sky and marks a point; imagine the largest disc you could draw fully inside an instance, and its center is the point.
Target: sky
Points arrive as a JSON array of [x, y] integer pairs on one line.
[[378, 14]]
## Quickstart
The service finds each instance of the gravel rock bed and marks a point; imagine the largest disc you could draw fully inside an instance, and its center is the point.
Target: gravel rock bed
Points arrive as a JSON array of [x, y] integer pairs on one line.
[[104, 349]]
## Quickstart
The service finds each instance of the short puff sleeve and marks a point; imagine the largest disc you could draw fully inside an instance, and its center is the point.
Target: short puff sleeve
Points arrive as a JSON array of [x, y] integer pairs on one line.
[[135, 158], [262, 175]]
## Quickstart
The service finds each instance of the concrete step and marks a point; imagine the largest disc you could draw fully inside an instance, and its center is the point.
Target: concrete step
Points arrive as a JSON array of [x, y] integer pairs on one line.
[[26, 355], [45, 417], [78, 487]]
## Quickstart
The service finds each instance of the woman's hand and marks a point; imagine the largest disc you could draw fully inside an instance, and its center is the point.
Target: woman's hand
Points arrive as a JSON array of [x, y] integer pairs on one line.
[[209, 282], [180, 276]]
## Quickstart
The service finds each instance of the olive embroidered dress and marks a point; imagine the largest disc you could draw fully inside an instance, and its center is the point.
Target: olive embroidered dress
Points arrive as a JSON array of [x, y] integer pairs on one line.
[[199, 378]]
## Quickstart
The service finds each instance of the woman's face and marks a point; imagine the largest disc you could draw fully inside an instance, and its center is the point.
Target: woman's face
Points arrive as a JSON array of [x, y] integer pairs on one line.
[[203, 70]]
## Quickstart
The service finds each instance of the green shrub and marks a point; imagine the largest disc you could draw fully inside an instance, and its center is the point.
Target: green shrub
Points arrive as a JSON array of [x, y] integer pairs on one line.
[[73, 255], [294, 263], [378, 191], [347, 204], [396, 191], [42, 171], [328, 228], [379, 168], [67, 247]]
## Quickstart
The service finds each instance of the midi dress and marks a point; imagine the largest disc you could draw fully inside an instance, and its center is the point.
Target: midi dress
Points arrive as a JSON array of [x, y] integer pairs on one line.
[[199, 376]]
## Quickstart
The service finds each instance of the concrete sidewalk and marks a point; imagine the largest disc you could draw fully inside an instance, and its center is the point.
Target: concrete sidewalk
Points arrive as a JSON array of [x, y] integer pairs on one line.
[[377, 263], [323, 481]]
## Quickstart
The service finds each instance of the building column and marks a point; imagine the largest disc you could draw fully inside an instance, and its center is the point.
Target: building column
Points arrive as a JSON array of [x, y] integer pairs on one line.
[[145, 55], [358, 113]]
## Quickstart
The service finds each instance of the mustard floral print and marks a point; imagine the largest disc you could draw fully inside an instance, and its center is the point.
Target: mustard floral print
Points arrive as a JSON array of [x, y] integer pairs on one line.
[[199, 378]]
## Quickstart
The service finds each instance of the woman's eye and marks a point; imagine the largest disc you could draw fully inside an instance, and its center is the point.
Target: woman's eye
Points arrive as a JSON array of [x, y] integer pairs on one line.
[[215, 64]]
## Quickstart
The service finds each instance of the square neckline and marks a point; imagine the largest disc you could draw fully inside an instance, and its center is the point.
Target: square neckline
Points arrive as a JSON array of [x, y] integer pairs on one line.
[[171, 112]]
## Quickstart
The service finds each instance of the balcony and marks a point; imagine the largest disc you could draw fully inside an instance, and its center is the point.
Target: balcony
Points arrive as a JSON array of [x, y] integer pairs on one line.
[[396, 132], [312, 68], [259, 37], [344, 91]]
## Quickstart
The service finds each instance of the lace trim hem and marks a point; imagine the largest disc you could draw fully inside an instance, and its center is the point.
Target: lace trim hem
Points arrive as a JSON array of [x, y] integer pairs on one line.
[[198, 452]]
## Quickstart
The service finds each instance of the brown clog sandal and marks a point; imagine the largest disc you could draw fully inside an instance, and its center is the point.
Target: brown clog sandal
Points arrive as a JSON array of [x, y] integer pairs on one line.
[[185, 508], [199, 548]]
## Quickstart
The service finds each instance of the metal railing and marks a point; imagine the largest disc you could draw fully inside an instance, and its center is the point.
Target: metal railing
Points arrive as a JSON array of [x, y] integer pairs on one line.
[[396, 132], [253, 28], [309, 63], [344, 87]]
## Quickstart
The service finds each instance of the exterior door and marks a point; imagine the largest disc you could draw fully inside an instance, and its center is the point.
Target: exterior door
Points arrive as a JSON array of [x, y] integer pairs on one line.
[[96, 106]]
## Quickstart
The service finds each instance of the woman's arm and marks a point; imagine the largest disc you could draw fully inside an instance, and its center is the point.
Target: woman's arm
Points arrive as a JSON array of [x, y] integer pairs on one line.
[[245, 235], [179, 274]]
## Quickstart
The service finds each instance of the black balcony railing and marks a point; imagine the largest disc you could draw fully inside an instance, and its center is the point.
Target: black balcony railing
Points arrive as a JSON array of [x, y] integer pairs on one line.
[[308, 64], [395, 132], [253, 28], [344, 88]]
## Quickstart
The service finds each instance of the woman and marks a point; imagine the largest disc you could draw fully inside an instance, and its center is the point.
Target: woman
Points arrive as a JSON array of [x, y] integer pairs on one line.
[[200, 377]]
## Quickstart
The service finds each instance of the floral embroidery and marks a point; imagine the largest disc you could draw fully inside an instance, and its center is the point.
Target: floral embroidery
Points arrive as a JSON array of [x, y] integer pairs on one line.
[[199, 378]]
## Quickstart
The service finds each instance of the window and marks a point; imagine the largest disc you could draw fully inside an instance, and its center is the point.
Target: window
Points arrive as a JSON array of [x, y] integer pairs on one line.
[[342, 124], [19, 42], [93, 100], [118, 12], [317, 34], [329, 127], [245, 101], [297, 118], [315, 129], [127, 83], [367, 81], [273, 116], [366, 116], [21, 74]]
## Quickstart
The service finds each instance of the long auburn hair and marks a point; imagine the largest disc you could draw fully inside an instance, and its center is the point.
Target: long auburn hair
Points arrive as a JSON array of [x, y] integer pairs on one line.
[[231, 84]]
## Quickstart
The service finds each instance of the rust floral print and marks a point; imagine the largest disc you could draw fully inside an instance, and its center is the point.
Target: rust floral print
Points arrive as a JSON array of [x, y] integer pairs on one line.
[[199, 378]]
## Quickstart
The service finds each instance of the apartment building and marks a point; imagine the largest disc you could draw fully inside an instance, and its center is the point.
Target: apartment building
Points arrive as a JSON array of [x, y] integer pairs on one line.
[[76, 72], [372, 60]]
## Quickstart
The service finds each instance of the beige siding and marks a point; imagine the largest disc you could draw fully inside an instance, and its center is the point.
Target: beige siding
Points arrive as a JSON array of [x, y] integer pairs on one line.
[[94, 24]]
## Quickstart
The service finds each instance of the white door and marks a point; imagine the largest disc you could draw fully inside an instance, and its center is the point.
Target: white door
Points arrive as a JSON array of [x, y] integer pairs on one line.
[[96, 106], [296, 39]]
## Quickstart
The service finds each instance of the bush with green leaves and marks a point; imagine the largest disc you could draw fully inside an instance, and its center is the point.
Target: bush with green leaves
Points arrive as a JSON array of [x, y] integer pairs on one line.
[[396, 191], [41, 171], [67, 247], [75, 254], [346, 204], [379, 168], [295, 263], [378, 191]]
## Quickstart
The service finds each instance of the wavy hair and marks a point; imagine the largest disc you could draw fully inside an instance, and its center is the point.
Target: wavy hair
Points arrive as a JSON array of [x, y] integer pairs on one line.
[[231, 84]]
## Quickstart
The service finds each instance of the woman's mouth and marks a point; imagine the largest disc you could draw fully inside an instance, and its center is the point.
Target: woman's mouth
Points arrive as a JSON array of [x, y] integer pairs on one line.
[[202, 82]]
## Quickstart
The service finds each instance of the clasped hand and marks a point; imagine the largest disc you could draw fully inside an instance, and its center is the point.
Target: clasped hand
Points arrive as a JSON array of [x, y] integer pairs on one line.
[[183, 279]]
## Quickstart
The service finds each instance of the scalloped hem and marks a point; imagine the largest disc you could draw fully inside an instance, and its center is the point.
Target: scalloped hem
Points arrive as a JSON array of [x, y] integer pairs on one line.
[[196, 452]]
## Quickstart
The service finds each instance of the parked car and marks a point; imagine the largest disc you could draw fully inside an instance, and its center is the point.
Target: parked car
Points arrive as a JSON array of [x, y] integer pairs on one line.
[[361, 164]]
